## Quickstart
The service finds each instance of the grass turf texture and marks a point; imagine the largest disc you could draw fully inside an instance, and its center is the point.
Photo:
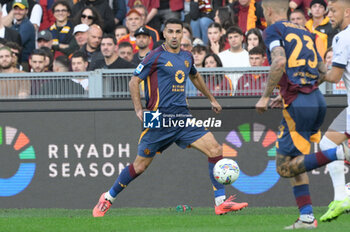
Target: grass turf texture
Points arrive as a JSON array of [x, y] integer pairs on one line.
[[163, 219]]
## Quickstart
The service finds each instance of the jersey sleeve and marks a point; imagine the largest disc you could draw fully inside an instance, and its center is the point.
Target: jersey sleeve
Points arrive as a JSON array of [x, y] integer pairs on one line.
[[273, 37], [144, 69], [193, 70], [340, 51]]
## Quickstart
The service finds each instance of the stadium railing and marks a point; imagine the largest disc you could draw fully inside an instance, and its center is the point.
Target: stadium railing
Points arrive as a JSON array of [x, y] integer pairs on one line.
[[115, 83]]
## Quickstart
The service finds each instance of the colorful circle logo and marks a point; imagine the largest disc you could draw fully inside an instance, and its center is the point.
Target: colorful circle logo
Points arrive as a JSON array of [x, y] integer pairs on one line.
[[20, 145], [269, 177]]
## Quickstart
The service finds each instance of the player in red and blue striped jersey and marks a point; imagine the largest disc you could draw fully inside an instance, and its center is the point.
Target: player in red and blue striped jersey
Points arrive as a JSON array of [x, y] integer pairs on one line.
[[164, 72]]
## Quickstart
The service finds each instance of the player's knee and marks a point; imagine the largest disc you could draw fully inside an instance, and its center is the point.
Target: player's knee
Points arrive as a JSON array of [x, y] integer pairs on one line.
[[283, 171], [140, 167], [326, 143]]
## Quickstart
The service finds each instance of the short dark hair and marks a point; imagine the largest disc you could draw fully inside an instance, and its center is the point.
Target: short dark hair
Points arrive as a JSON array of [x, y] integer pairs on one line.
[[122, 26], [3, 41], [298, 11], [63, 60], [14, 45], [257, 51], [125, 45], [173, 21], [233, 30], [81, 54], [38, 52], [49, 54], [61, 2], [109, 36]]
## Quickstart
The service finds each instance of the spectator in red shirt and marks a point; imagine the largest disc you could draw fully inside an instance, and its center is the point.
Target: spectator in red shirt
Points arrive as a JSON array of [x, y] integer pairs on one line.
[[249, 14], [253, 84], [150, 5], [217, 40], [218, 84], [254, 39], [48, 19], [167, 9]]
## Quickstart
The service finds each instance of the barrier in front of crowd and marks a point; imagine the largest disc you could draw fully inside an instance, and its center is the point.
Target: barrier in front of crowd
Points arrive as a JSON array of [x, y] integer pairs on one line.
[[248, 81]]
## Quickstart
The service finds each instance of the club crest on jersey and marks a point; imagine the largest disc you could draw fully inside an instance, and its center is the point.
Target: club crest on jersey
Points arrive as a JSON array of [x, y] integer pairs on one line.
[[139, 68], [187, 64]]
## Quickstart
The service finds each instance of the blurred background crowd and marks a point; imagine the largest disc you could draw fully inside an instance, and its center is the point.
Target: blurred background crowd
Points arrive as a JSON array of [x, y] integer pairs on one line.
[[84, 35]]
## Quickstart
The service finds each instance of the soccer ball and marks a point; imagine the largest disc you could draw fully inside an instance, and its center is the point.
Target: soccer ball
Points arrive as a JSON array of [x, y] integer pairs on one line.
[[226, 171]]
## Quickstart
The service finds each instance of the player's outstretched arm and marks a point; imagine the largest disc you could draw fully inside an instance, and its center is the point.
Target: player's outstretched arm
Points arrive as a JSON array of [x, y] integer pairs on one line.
[[334, 75], [198, 81], [278, 57], [135, 96]]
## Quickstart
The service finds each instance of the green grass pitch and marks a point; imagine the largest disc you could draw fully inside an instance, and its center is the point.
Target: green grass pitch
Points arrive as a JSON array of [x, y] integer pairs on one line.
[[162, 219]]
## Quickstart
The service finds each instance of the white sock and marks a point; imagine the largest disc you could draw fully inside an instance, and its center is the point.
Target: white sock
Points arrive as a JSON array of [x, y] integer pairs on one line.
[[219, 200], [307, 217], [109, 197], [336, 171], [340, 153], [326, 144]]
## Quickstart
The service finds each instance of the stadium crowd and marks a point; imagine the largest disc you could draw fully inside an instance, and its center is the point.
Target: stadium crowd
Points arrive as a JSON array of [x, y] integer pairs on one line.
[[84, 35]]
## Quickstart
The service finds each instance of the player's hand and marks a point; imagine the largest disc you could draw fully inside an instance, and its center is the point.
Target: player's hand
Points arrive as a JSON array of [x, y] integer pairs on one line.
[[261, 105], [216, 107], [276, 102], [139, 114]]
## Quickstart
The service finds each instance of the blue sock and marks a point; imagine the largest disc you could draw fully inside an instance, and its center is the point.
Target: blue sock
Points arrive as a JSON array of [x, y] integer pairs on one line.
[[126, 176], [319, 159], [303, 199], [219, 189]]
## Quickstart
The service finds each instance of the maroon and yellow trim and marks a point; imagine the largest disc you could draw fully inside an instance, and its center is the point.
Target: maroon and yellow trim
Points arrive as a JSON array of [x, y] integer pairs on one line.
[[302, 144], [143, 134]]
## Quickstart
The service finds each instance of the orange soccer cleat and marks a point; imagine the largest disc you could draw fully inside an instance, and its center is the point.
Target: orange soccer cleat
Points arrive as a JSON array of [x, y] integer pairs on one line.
[[229, 205], [102, 207]]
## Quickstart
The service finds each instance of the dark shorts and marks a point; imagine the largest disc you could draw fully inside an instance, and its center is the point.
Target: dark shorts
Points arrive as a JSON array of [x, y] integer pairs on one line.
[[300, 125], [154, 140]]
